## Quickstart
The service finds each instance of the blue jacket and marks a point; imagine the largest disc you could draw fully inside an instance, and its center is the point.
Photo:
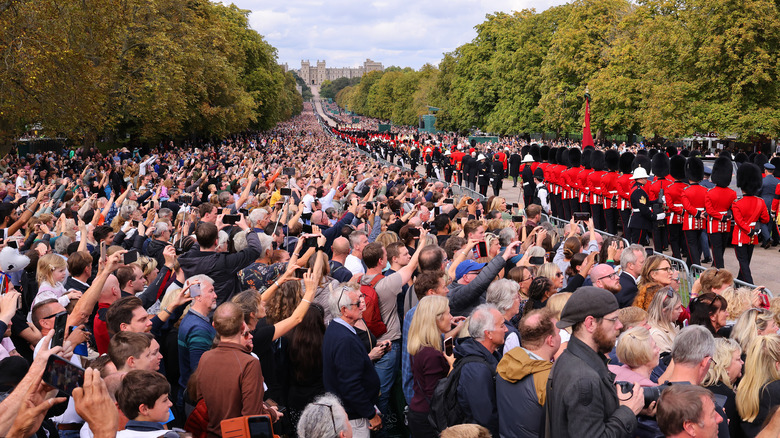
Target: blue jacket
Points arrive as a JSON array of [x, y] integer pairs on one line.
[[477, 386], [195, 338], [465, 297], [347, 371]]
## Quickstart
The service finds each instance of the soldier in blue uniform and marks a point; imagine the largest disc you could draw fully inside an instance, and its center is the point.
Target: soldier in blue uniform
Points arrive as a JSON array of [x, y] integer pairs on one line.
[[641, 221]]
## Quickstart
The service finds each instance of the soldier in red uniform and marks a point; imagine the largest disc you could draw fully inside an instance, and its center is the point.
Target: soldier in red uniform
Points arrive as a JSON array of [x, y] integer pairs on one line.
[[609, 190], [457, 161], [582, 181], [656, 193], [624, 184], [569, 181], [693, 206], [748, 212], [596, 199], [717, 204], [674, 205], [559, 168]]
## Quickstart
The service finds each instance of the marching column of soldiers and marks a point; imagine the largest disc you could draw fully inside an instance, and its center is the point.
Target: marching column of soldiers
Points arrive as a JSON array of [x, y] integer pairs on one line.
[[658, 195]]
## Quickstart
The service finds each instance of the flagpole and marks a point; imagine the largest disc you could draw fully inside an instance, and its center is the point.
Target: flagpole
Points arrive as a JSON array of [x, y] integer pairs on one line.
[[587, 137]]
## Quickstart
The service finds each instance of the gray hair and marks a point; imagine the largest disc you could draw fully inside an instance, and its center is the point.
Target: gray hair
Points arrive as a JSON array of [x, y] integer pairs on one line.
[[159, 228], [481, 319], [257, 215], [127, 209], [339, 297], [164, 213], [506, 236], [223, 198], [239, 241], [629, 255], [223, 237], [692, 345], [315, 421], [61, 244], [354, 237], [502, 294], [266, 243], [200, 278]]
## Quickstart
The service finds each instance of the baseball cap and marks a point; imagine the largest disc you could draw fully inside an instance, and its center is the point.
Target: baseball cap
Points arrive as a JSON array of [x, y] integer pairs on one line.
[[587, 301], [467, 266]]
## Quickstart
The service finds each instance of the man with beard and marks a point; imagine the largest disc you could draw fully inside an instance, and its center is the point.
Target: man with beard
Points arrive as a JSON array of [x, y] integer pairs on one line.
[[582, 399], [605, 277]]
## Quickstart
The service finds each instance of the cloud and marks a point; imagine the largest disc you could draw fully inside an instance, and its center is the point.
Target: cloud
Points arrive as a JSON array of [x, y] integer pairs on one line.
[[406, 33]]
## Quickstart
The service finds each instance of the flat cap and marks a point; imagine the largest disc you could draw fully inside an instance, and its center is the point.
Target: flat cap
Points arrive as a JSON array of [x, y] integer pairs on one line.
[[587, 301]]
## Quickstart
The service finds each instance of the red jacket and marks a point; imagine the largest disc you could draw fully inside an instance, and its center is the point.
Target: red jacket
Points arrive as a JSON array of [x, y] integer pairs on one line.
[[594, 183], [747, 212], [693, 204], [569, 182], [717, 202], [582, 184], [655, 187], [624, 191], [674, 202], [609, 188]]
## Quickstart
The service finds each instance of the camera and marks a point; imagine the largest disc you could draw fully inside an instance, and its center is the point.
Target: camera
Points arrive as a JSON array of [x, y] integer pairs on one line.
[[651, 393]]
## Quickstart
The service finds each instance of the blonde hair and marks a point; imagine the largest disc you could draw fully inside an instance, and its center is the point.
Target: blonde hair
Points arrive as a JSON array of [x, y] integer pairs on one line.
[[749, 324], [633, 348], [548, 270], [387, 237], [631, 316], [556, 303], [145, 264], [46, 267], [661, 310], [424, 332], [721, 361], [760, 369], [739, 300]]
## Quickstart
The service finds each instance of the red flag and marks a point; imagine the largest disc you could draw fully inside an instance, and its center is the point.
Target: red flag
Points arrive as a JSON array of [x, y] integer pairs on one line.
[[587, 137]]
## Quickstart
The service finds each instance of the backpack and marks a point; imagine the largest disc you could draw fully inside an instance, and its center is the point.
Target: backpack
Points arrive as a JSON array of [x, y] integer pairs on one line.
[[445, 409], [371, 315]]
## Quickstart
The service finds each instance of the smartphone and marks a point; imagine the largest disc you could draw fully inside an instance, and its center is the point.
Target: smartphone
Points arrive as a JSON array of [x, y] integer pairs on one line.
[[449, 201], [103, 251], [649, 251], [4, 287], [538, 261], [289, 171], [388, 345], [230, 219], [185, 199], [260, 427], [381, 206], [300, 271], [220, 210], [581, 216], [195, 290], [515, 205], [436, 211], [285, 191], [414, 232], [13, 244], [307, 229], [60, 321], [135, 223], [482, 249], [130, 257], [63, 375], [449, 345], [517, 219], [369, 205]]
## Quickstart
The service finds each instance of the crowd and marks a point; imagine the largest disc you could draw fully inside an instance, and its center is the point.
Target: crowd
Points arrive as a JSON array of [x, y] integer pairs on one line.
[[289, 274]]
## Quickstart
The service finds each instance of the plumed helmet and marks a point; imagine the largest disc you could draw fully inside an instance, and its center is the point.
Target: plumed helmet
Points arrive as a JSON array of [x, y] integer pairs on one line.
[[677, 167], [597, 161], [721, 172], [575, 157], [694, 169], [626, 162], [749, 179], [660, 165], [586, 154]]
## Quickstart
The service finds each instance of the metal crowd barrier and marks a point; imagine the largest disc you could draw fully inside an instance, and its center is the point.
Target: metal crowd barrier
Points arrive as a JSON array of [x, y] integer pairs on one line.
[[459, 190], [685, 278], [697, 270]]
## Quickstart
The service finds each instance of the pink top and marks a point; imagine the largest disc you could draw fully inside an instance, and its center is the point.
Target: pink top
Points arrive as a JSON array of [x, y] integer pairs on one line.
[[625, 374]]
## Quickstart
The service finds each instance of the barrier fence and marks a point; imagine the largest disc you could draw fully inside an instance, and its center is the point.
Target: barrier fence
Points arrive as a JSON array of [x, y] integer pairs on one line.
[[685, 279], [697, 270]]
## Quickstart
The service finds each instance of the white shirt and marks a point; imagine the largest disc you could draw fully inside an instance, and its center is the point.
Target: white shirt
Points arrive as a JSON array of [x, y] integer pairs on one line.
[[307, 201], [21, 182], [354, 265]]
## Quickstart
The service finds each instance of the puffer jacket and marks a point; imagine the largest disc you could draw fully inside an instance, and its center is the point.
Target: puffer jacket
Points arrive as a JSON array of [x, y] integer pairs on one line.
[[477, 386], [520, 394]]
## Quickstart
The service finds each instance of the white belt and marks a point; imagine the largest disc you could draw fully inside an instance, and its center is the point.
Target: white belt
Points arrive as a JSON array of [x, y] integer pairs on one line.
[[635, 210], [677, 205]]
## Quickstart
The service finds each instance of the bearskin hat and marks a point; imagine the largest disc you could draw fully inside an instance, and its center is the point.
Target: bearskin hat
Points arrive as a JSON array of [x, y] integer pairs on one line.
[[612, 158], [561, 157], [626, 161], [544, 151], [552, 156], [597, 160], [641, 161], [677, 167], [694, 169], [749, 179], [536, 153], [671, 151], [721, 172], [575, 157], [586, 154], [660, 165]]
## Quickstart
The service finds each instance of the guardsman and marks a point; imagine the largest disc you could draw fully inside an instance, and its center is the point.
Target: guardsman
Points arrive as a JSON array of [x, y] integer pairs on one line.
[[768, 187], [514, 165], [717, 204], [582, 181], [548, 165], [656, 191], [693, 205], [446, 164], [561, 161], [624, 189], [569, 181], [749, 212], [674, 205], [528, 179], [457, 161], [596, 198], [484, 170], [497, 168], [609, 188], [640, 222]]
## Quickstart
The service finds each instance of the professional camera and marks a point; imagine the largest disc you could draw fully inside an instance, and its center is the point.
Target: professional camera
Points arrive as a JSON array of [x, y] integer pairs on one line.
[[651, 393]]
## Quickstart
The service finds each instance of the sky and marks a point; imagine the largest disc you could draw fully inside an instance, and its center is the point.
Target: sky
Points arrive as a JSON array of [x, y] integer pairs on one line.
[[405, 33]]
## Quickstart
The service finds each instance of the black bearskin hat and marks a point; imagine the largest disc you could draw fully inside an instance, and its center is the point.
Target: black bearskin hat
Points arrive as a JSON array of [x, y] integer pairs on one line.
[[776, 162], [759, 160], [525, 150], [749, 179], [677, 167], [535, 152], [612, 158], [552, 156], [641, 161], [740, 158], [694, 169], [575, 157], [545, 152], [560, 157], [597, 160], [586, 154], [671, 151], [660, 165], [721, 172], [626, 161]]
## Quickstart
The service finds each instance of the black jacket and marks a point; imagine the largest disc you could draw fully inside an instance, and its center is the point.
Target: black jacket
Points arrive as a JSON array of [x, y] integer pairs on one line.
[[477, 386], [514, 164], [628, 290], [641, 214], [582, 400]]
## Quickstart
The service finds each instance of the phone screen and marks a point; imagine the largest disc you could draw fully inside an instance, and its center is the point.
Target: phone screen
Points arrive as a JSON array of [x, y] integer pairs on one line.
[[230, 219], [260, 427], [285, 191], [103, 251], [63, 375], [448, 346], [482, 249], [130, 257], [517, 218], [581, 216], [60, 321], [194, 290], [649, 251]]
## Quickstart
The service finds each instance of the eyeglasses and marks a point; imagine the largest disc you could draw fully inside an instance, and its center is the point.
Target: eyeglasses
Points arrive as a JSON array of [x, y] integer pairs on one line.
[[668, 269], [246, 334], [50, 316], [529, 278], [559, 274], [332, 418], [612, 275], [361, 299], [612, 320]]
